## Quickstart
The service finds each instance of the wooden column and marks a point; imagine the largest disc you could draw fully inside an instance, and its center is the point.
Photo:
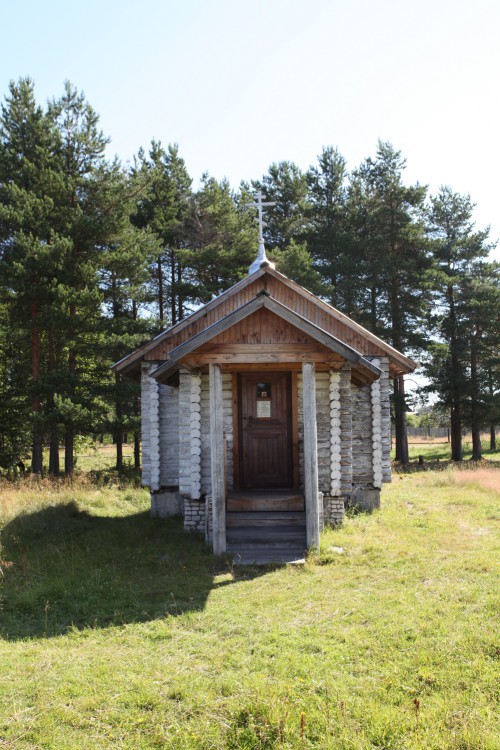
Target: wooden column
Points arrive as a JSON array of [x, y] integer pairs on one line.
[[310, 454], [217, 460]]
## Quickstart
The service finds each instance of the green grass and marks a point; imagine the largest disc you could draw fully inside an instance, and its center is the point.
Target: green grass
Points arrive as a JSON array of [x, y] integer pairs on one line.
[[441, 451], [123, 632]]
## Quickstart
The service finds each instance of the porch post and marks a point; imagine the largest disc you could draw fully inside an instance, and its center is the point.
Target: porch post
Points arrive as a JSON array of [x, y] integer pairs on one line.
[[217, 460], [310, 454]]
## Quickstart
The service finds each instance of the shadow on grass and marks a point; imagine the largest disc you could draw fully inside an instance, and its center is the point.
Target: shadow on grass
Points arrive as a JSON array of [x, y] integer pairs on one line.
[[62, 568]]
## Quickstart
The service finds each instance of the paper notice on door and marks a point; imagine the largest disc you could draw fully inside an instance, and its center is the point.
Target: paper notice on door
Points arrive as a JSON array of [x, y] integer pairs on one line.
[[263, 409]]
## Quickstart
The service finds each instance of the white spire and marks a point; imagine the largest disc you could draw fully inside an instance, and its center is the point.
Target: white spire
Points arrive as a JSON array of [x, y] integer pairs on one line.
[[261, 258]]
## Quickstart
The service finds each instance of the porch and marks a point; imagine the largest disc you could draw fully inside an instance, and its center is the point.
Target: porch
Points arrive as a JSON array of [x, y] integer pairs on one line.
[[266, 526]]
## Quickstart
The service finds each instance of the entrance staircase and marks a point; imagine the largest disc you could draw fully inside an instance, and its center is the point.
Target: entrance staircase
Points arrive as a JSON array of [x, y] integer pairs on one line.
[[264, 527]]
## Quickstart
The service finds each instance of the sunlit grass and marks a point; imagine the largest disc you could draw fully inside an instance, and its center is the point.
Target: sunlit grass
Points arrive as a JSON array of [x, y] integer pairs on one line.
[[120, 631]]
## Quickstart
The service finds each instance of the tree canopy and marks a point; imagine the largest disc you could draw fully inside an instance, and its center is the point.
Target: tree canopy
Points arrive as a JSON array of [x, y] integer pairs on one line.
[[95, 257]]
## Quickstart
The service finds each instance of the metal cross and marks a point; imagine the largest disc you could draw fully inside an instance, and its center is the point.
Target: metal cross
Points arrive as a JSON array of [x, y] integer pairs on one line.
[[260, 204]]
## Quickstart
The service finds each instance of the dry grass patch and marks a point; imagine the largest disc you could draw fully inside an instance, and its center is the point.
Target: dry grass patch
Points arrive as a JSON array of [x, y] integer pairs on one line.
[[484, 477]]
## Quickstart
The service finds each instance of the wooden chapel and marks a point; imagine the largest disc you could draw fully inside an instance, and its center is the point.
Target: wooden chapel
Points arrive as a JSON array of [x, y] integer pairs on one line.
[[264, 413]]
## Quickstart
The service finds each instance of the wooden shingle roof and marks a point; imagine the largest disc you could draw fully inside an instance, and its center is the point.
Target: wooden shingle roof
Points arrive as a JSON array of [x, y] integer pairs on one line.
[[266, 288]]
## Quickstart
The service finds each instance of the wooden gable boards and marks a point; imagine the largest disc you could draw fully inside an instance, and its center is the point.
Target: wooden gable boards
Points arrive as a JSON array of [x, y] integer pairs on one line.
[[270, 290]]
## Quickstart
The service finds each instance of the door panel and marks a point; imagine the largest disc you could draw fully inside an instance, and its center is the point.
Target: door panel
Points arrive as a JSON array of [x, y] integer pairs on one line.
[[265, 435]]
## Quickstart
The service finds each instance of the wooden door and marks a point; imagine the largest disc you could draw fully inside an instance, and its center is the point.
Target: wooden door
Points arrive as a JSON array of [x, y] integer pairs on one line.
[[265, 430]]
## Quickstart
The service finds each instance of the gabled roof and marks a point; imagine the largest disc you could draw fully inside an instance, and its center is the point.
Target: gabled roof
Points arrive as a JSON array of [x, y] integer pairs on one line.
[[266, 278], [264, 300]]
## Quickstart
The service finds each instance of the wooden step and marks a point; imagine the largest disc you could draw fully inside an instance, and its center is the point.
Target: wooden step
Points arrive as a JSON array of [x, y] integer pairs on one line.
[[265, 557], [265, 500], [289, 518], [258, 538]]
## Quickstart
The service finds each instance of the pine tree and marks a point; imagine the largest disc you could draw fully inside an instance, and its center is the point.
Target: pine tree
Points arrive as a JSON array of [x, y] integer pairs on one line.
[[458, 252], [30, 251], [162, 207], [124, 278], [328, 231], [222, 239], [86, 205], [395, 262], [286, 185]]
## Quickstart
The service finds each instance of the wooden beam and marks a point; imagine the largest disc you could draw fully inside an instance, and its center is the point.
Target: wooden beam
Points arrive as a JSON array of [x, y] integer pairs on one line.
[[236, 432], [320, 335], [263, 300], [310, 454], [406, 365], [207, 334], [295, 430], [262, 353], [217, 460]]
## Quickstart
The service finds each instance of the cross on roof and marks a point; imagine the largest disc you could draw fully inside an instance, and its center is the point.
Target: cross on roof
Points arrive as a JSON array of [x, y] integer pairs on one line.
[[261, 256]]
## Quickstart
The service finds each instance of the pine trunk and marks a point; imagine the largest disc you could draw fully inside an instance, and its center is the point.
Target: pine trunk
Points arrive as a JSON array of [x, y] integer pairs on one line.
[[400, 422], [456, 433], [475, 417], [119, 430], [137, 438], [54, 467], [69, 437], [491, 391], [137, 451], [161, 310], [456, 369], [69, 448], [37, 448], [173, 299]]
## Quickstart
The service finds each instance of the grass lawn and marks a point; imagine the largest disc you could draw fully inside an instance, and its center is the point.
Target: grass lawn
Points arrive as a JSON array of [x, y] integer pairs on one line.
[[440, 450], [123, 632]]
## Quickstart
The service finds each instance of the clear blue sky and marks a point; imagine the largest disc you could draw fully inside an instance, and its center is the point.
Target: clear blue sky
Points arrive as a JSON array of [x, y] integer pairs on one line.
[[241, 84]]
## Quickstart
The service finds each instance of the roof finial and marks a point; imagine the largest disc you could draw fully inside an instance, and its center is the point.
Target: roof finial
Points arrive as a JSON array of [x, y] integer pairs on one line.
[[261, 258]]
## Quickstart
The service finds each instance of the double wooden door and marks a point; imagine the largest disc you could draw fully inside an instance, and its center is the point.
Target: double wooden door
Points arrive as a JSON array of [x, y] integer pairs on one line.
[[265, 430]]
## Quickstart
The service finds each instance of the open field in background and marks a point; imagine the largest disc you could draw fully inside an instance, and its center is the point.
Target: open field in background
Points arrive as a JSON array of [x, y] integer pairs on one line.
[[119, 631], [100, 457], [440, 450]]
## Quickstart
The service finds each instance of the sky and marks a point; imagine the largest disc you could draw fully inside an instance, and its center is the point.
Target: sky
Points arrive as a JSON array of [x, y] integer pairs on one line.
[[239, 85]]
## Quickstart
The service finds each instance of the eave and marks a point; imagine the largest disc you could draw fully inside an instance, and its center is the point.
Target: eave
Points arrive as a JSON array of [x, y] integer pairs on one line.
[[365, 369]]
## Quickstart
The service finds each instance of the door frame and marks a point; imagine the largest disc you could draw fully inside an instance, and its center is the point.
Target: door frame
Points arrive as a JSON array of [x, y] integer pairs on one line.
[[235, 385]]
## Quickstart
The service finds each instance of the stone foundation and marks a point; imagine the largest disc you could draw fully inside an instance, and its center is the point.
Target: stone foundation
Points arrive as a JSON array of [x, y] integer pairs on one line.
[[194, 515], [166, 503], [365, 499], [333, 509]]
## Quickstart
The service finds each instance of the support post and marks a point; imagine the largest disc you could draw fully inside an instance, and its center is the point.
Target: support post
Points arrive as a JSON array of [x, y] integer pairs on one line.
[[217, 460], [310, 454]]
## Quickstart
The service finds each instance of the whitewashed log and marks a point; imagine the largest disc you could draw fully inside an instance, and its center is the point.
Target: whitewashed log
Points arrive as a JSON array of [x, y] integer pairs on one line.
[[335, 434], [346, 430], [376, 433], [154, 421]]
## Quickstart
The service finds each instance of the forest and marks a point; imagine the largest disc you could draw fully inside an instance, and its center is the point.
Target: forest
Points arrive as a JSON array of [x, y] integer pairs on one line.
[[97, 257]]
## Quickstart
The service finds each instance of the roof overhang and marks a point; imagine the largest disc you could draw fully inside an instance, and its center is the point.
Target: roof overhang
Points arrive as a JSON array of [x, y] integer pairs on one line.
[[367, 370], [129, 365]]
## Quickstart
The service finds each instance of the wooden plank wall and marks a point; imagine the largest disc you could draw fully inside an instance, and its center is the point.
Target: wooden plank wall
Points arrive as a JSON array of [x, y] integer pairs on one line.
[[362, 459], [169, 436], [184, 433], [268, 327], [323, 430]]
